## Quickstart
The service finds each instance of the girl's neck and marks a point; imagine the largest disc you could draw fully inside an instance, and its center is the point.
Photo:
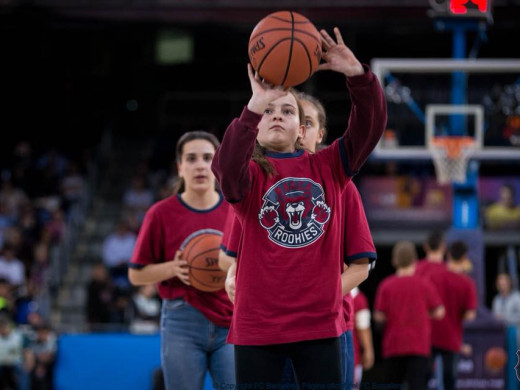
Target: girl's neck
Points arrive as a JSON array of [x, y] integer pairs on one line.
[[406, 271], [200, 200]]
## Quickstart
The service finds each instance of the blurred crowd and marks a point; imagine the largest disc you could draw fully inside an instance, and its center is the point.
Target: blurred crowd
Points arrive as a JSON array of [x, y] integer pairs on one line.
[[39, 189], [112, 303]]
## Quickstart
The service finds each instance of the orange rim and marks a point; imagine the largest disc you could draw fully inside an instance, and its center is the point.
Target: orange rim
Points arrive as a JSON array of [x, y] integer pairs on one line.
[[453, 145]]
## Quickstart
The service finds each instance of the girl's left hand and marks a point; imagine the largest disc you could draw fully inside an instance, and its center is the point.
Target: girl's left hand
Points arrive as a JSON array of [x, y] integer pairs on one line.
[[338, 57]]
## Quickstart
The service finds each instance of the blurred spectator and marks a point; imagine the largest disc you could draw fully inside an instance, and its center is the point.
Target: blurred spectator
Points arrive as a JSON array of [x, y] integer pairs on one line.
[[11, 354], [11, 268], [503, 214], [41, 356], [116, 253], [56, 227], [14, 237], [506, 304], [72, 186], [51, 169], [6, 298], [39, 270], [29, 226], [99, 296], [147, 310], [138, 198], [122, 310], [6, 220], [46, 205], [13, 197]]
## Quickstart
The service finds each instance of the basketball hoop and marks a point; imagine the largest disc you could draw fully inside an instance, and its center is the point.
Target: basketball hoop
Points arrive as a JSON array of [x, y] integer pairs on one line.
[[450, 157]]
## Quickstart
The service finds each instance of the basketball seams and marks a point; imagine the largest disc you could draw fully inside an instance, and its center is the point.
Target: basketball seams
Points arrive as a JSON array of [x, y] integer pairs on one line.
[[296, 30], [191, 244], [288, 21], [203, 253], [280, 62], [308, 54], [269, 52], [290, 51]]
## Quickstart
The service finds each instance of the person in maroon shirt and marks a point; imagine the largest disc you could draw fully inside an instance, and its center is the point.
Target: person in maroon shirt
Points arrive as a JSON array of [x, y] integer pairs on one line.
[[435, 249], [459, 295], [404, 303], [289, 206], [194, 323]]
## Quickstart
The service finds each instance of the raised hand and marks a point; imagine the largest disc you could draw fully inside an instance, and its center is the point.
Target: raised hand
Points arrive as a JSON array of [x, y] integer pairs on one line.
[[337, 56], [263, 93]]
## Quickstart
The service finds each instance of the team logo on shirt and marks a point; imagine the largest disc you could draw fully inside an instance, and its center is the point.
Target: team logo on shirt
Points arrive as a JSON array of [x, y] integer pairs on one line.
[[294, 212]]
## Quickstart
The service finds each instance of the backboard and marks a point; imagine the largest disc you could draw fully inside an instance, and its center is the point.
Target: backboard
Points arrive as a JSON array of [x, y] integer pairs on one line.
[[435, 97]]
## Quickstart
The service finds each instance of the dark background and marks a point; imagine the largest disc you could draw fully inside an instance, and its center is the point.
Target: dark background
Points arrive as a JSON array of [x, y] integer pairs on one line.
[[68, 69]]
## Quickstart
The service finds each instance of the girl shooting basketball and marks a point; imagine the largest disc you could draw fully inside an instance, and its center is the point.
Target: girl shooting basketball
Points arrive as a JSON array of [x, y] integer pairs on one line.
[[288, 202], [194, 324]]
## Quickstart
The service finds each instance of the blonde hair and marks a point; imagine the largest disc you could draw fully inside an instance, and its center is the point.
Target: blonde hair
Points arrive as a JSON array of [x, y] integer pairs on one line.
[[404, 254]]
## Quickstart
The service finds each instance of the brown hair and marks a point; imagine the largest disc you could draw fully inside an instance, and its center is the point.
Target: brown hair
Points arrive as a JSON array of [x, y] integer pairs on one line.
[[260, 151], [179, 186], [458, 251], [322, 115], [403, 254]]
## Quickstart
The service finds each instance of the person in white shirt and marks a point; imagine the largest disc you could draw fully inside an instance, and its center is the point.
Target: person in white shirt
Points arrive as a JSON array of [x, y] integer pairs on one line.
[[11, 268], [116, 253], [506, 304]]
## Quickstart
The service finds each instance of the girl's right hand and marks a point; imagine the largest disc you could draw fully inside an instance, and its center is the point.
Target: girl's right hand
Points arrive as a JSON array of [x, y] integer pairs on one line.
[[180, 268], [263, 93]]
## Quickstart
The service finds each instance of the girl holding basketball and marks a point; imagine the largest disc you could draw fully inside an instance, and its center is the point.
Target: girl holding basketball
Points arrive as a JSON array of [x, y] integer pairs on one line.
[[359, 249], [194, 324], [289, 205]]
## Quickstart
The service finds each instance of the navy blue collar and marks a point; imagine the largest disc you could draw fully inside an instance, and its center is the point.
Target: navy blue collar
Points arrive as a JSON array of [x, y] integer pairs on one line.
[[296, 153], [221, 198]]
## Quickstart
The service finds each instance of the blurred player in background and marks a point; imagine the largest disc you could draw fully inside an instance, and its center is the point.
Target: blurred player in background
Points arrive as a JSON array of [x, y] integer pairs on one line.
[[194, 324], [404, 304], [435, 250]]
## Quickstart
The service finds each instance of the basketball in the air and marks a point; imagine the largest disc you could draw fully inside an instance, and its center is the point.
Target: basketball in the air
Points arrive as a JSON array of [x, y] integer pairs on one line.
[[200, 250], [285, 48], [495, 359]]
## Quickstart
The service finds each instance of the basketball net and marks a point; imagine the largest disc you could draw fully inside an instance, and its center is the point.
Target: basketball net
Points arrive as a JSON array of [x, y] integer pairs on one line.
[[451, 155]]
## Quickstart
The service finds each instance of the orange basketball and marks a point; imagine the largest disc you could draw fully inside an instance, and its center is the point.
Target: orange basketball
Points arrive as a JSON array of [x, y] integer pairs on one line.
[[285, 48], [200, 250], [495, 359]]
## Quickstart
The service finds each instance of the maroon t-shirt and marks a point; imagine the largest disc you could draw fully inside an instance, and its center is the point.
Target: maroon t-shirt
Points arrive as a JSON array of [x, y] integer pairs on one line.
[[357, 242], [425, 268], [166, 224], [458, 293], [289, 263], [406, 301]]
